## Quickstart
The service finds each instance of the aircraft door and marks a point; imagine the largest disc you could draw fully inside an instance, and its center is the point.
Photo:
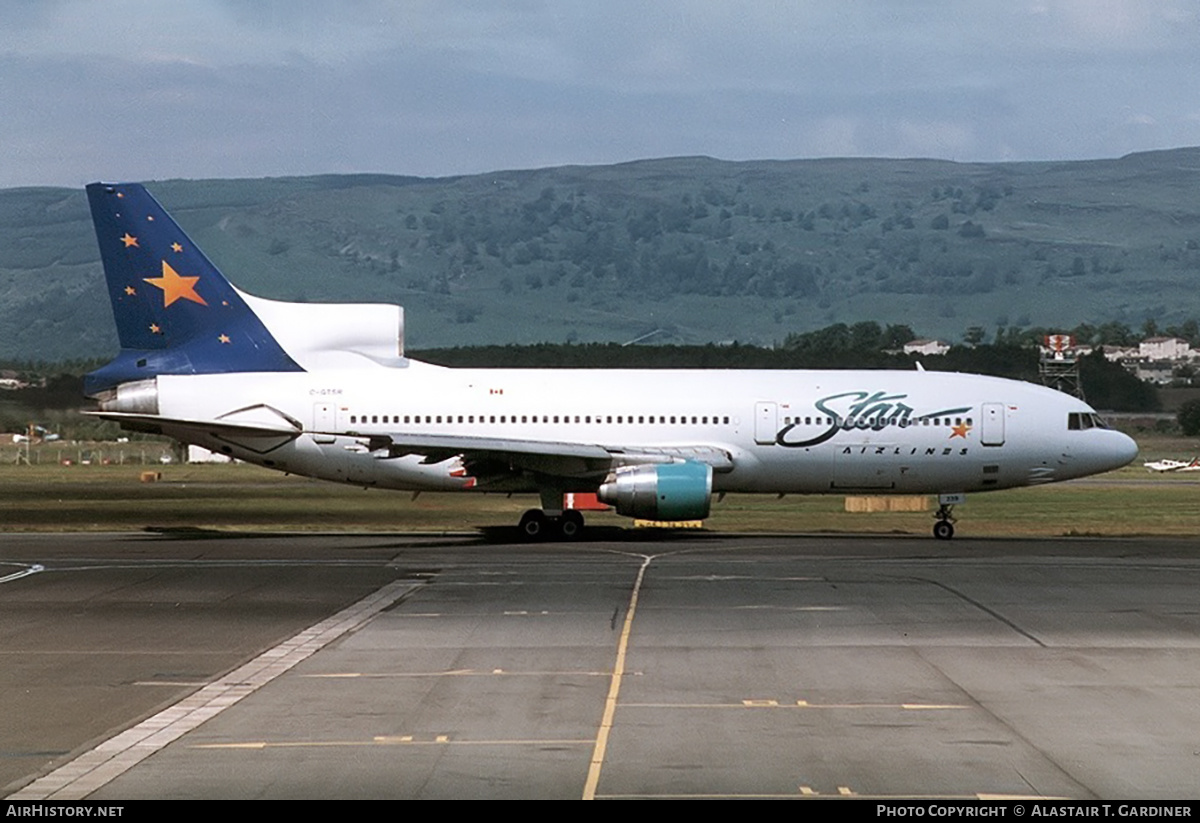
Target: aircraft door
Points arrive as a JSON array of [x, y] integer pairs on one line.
[[766, 422], [991, 432], [324, 421]]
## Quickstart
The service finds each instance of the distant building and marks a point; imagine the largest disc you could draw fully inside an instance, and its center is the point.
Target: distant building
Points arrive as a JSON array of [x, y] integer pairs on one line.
[[1117, 354], [1159, 373], [926, 347], [1164, 348]]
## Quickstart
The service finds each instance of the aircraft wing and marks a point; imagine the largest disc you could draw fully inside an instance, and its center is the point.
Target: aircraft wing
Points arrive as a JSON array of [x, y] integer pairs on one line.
[[485, 456]]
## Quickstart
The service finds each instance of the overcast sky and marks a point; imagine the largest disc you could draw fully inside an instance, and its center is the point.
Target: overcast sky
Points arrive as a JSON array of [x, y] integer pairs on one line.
[[136, 90]]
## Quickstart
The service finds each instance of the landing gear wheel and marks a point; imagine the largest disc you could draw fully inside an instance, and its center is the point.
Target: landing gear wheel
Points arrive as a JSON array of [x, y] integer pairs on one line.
[[533, 524], [943, 529], [570, 525]]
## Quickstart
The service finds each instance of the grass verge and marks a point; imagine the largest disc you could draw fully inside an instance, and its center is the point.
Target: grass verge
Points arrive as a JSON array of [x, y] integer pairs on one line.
[[243, 497]]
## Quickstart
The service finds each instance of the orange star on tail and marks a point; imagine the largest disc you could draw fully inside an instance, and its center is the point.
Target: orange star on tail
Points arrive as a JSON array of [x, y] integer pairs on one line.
[[176, 287]]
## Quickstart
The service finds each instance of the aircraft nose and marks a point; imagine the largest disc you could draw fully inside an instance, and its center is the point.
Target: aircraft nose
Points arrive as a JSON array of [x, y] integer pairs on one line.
[[1109, 452], [1104, 451], [1124, 450]]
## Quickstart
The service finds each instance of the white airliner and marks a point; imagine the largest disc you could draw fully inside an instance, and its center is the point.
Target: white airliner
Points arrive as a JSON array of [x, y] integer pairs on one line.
[[326, 391]]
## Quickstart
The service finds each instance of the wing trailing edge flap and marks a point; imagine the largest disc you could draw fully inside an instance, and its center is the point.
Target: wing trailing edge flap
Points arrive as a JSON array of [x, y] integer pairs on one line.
[[542, 456]]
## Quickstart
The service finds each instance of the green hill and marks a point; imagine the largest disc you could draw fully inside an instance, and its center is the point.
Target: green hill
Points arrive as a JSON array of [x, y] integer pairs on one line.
[[681, 250]]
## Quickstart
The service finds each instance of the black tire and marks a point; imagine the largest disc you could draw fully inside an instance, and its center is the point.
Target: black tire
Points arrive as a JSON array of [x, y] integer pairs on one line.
[[943, 530], [570, 525], [533, 524]]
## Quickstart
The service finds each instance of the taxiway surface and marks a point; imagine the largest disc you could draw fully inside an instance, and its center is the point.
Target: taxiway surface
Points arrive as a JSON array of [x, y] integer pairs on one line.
[[330, 666]]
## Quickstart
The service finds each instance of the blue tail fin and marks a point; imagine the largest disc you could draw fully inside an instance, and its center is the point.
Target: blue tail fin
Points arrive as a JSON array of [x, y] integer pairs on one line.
[[175, 312]]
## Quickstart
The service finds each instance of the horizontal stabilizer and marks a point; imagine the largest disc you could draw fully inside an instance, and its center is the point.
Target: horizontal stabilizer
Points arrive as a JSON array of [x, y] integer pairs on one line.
[[215, 428]]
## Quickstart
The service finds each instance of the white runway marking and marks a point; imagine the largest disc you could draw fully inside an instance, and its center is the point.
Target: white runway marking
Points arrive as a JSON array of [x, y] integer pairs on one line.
[[115, 756], [25, 572]]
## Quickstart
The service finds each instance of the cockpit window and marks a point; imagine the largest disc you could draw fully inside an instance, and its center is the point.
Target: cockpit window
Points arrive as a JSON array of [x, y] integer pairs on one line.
[[1078, 421]]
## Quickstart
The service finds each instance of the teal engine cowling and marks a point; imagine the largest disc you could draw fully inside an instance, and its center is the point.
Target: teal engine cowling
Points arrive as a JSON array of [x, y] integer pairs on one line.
[[665, 491]]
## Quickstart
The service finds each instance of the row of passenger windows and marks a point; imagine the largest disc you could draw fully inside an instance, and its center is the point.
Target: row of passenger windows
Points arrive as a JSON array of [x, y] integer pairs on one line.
[[717, 420], [702, 420], [877, 421]]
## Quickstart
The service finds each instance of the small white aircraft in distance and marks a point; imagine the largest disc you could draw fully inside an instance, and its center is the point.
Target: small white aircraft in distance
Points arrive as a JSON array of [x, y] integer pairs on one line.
[[1169, 465], [325, 390]]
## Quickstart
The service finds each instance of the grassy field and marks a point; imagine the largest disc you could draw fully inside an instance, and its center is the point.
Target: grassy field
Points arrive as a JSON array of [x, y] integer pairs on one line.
[[47, 497]]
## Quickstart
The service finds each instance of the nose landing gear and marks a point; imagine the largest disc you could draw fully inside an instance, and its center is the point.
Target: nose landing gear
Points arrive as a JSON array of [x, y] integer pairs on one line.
[[943, 528]]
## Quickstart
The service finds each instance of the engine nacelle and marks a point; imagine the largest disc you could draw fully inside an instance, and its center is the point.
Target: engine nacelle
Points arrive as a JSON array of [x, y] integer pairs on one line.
[[134, 397], [666, 491]]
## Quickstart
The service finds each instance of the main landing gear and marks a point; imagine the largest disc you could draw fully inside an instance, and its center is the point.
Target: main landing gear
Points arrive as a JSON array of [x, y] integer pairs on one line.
[[538, 525]]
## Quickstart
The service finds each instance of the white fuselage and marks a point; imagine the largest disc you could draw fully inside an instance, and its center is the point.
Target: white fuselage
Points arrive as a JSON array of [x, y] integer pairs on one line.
[[784, 431]]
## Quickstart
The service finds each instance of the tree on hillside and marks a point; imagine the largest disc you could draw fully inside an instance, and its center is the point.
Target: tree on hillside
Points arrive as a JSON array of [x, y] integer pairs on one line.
[[1114, 333], [895, 336], [1189, 418], [1111, 387]]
